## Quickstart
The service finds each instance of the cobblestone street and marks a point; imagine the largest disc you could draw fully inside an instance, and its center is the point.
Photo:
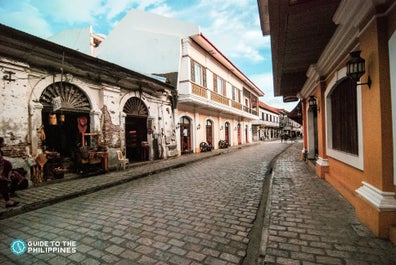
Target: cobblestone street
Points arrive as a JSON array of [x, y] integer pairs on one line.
[[201, 213], [308, 222]]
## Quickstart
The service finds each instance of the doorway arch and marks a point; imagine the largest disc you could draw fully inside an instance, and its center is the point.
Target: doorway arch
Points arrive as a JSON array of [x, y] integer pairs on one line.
[[209, 132], [227, 132], [185, 135], [64, 105], [136, 143]]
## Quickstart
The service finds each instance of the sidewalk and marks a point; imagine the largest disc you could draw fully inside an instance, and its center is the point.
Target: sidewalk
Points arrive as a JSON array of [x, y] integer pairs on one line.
[[308, 222], [59, 190]]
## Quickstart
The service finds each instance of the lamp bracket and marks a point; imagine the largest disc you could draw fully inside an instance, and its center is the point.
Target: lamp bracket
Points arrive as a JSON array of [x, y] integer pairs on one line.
[[368, 82], [8, 76]]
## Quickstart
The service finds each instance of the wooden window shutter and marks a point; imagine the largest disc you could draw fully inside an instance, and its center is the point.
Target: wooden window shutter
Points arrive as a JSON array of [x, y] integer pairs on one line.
[[215, 83], [192, 71], [344, 117], [224, 88], [204, 76]]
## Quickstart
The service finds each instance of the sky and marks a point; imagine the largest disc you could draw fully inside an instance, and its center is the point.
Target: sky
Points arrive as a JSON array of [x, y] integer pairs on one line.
[[233, 26]]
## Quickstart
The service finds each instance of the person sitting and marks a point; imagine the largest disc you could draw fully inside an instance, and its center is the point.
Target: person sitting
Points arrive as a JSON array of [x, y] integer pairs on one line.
[[18, 181], [5, 174]]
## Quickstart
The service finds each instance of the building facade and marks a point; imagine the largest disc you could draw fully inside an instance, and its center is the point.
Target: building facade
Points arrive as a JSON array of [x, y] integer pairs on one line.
[[216, 101], [55, 99], [349, 125], [268, 124]]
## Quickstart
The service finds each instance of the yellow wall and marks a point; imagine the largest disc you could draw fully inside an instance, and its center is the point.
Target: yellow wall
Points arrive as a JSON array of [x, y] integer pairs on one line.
[[377, 134]]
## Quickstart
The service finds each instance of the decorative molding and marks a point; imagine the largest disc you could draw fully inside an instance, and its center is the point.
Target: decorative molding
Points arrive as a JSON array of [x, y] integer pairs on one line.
[[383, 201], [311, 83], [348, 17]]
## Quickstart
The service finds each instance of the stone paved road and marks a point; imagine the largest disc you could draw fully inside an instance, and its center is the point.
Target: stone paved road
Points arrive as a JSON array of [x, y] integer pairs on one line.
[[198, 214], [309, 222]]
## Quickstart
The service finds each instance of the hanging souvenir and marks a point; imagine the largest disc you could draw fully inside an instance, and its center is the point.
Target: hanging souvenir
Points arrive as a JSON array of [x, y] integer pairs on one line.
[[82, 124]]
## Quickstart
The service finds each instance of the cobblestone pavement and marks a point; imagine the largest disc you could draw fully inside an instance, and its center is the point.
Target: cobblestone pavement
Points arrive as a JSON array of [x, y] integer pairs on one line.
[[308, 222], [60, 190], [201, 213]]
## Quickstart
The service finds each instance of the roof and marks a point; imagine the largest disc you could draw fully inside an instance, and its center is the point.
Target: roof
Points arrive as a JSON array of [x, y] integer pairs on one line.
[[269, 108], [41, 53], [300, 31]]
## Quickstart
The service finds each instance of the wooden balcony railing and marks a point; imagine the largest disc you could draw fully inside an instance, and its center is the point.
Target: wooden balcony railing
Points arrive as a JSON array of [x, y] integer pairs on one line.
[[250, 110], [236, 105], [219, 98], [200, 91]]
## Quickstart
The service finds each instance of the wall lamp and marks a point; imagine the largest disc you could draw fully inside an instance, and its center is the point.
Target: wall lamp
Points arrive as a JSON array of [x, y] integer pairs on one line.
[[313, 104], [198, 126], [356, 68], [8, 76]]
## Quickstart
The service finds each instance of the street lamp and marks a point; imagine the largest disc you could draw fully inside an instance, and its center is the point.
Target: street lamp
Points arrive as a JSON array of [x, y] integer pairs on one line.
[[313, 105], [356, 68]]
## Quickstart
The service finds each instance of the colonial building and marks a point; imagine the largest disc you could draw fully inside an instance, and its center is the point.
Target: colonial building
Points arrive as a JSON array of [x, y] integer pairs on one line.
[[60, 100], [268, 124], [338, 57], [273, 123], [216, 101]]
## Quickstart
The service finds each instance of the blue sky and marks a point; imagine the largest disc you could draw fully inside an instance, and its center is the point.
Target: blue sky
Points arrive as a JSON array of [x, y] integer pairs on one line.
[[233, 26]]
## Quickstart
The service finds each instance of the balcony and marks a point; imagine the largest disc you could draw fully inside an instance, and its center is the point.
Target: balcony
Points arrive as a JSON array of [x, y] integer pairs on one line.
[[250, 110], [219, 98], [236, 105], [198, 90], [191, 93]]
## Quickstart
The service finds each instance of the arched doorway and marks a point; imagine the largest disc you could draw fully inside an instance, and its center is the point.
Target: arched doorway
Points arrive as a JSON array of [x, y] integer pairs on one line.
[[63, 104], [185, 135], [136, 130], [209, 132], [239, 134], [65, 116], [227, 132], [312, 133]]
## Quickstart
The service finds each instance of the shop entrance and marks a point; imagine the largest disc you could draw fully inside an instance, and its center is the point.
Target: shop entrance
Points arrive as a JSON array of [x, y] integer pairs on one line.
[[137, 147], [65, 117]]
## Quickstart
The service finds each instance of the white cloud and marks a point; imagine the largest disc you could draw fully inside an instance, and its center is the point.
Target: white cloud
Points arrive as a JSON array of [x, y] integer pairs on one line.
[[63, 11], [28, 19], [266, 83]]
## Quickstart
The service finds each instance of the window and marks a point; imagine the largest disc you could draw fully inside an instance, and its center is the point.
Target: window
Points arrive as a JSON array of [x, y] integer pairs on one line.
[[219, 85], [344, 117], [198, 73], [235, 94]]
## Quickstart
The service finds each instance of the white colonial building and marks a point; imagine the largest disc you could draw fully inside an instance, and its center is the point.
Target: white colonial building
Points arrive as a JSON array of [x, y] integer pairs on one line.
[[216, 101]]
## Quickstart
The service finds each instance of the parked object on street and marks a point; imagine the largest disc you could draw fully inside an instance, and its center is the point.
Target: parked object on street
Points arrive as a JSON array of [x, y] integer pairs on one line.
[[205, 147], [122, 160]]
